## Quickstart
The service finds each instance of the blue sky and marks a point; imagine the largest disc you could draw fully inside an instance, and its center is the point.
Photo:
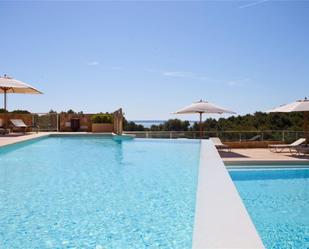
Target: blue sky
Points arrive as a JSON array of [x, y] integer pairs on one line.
[[152, 58]]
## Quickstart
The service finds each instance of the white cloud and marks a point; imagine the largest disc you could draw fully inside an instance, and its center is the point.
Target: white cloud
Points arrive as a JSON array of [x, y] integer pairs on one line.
[[182, 74], [178, 74], [151, 70], [116, 68], [232, 83], [93, 63], [252, 4], [238, 82]]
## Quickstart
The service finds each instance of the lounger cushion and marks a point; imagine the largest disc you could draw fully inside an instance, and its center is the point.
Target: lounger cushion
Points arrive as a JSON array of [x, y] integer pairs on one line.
[[18, 123]]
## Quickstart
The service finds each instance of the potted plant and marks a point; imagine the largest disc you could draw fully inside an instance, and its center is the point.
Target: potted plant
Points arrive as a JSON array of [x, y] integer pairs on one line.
[[102, 122]]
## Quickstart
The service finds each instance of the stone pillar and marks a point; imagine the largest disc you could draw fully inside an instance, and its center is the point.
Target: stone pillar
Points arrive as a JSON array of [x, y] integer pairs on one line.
[[118, 121]]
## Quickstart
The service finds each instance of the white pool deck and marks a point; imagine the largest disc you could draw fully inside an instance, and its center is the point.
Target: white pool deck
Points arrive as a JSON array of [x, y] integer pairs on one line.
[[221, 219]]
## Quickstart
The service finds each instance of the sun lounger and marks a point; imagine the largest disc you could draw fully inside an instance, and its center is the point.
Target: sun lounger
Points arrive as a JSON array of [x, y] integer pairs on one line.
[[282, 147], [219, 145], [3, 131], [302, 150], [255, 138], [19, 124]]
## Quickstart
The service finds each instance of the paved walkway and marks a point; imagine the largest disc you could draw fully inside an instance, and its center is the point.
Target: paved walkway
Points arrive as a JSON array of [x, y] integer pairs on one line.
[[19, 137], [260, 155]]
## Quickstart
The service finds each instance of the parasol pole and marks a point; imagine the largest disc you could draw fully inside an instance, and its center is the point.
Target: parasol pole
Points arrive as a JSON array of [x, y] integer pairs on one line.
[[306, 127], [5, 98], [201, 125], [4, 106]]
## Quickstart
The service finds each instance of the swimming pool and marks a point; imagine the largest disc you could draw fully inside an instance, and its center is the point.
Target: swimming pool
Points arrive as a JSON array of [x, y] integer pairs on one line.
[[91, 192], [278, 203]]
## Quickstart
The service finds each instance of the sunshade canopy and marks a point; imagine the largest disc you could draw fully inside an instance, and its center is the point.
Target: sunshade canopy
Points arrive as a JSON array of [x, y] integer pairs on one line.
[[10, 85], [297, 106], [203, 107]]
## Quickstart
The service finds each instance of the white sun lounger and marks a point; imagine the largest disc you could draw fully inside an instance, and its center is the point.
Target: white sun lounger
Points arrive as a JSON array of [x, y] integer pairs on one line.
[[19, 124], [302, 150], [219, 145], [255, 138], [282, 147]]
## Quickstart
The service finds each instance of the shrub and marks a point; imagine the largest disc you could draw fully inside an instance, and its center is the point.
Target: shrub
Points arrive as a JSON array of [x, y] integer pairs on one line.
[[70, 111], [21, 112], [102, 118], [15, 111], [2, 110]]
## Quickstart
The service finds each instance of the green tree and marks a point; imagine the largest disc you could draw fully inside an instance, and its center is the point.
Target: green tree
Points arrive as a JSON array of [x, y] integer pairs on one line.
[[172, 125], [131, 126]]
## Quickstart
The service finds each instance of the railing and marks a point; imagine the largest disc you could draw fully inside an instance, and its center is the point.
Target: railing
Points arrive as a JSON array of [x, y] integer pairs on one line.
[[46, 121], [267, 135], [50, 122]]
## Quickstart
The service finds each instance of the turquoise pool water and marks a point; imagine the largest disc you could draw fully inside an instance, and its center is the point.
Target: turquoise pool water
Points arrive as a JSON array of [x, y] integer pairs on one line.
[[278, 203], [91, 192]]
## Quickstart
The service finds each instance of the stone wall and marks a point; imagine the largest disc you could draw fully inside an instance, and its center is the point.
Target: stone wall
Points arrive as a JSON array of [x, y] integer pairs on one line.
[[27, 118], [86, 124], [65, 121], [118, 121]]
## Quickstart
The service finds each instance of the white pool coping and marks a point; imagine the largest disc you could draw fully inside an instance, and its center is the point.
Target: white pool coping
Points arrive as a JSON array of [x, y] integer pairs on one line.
[[5, 141], [266, 163], [221, 219]]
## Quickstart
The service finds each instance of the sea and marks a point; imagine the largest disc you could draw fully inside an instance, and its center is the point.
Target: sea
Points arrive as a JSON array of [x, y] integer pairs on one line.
[[149, 123]]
